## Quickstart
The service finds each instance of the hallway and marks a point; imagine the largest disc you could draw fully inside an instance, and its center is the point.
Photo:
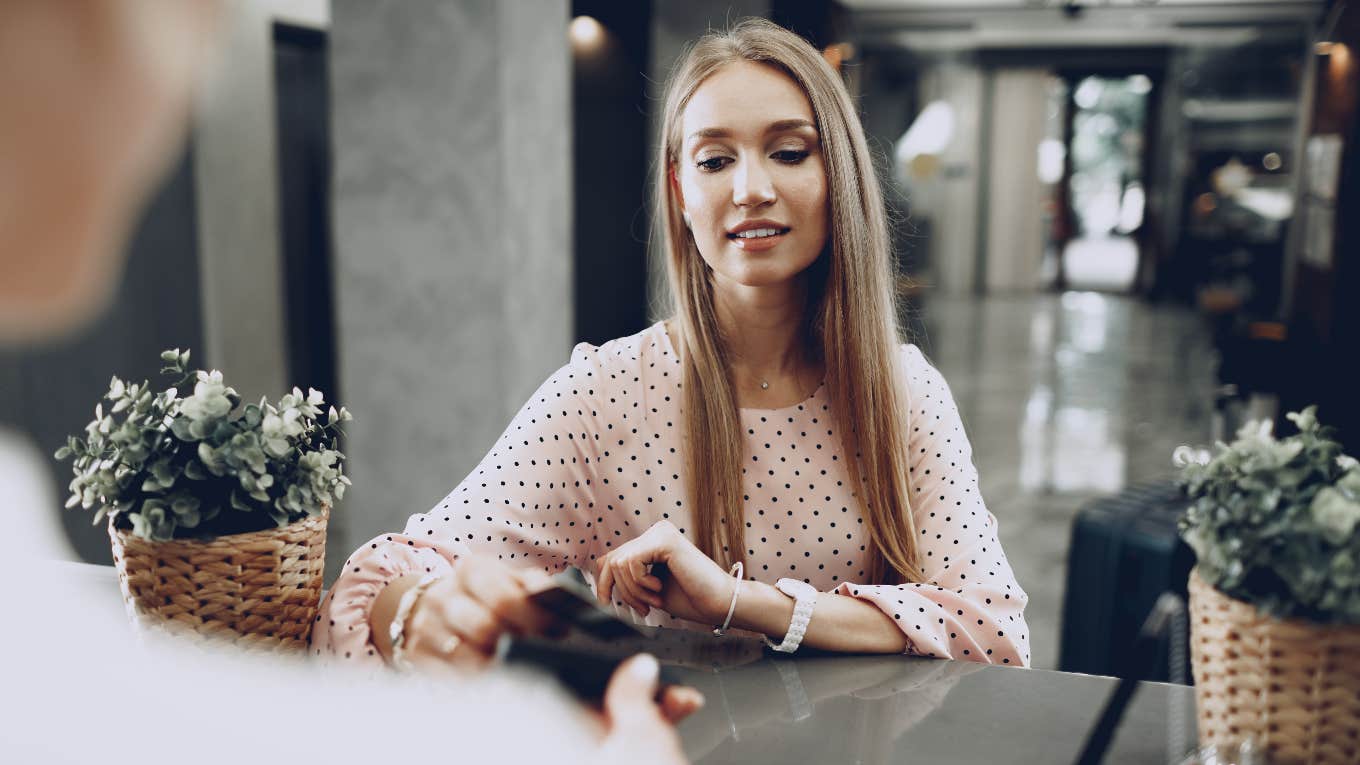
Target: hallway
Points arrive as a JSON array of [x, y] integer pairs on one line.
[[1067, 397]]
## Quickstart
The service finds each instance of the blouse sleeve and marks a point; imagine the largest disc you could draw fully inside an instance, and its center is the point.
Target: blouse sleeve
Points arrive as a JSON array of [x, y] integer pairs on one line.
[[528, 502], [970, 606]]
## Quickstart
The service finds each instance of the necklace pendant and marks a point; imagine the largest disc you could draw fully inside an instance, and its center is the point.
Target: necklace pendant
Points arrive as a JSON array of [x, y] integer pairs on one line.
[[764, 385]]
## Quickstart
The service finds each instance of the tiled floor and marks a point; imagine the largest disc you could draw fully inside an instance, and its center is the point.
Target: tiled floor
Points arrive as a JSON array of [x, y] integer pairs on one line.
[[1066, 397]]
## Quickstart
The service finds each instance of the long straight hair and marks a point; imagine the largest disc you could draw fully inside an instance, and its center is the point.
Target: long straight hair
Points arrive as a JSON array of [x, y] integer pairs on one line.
[[850, 318]]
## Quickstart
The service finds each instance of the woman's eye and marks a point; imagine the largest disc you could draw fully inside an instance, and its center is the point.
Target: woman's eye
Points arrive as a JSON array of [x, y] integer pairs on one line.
[[713, 164], [791, 156]]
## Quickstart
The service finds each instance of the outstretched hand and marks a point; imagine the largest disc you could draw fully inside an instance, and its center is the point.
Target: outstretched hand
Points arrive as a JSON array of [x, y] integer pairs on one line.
[[462, 616], [694, 587], [637, 727]]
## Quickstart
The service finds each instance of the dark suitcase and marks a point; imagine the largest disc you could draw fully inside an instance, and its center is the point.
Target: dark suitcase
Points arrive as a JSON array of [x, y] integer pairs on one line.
[[1125, 552]]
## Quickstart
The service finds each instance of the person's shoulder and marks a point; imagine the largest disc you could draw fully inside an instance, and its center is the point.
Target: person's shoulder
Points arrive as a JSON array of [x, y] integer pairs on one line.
[[647, 349], [921, 376], [913, 360]]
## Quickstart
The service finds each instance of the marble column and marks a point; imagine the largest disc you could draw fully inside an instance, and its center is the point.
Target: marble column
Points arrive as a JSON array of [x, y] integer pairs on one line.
[[451, 130], [1014, 215]]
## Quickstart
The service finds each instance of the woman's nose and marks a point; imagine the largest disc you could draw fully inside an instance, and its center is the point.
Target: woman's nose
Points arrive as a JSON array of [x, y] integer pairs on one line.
[[751, 185]]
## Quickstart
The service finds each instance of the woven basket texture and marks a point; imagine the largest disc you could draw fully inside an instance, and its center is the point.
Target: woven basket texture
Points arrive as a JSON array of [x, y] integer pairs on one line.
[[259, 590], [1292, 686]]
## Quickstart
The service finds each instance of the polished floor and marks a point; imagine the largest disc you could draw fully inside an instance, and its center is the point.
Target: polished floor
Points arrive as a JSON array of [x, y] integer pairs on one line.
[[1066, 397]]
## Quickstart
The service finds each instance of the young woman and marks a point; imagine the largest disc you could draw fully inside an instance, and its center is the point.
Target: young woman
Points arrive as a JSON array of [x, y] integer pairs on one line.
[[774, 421]]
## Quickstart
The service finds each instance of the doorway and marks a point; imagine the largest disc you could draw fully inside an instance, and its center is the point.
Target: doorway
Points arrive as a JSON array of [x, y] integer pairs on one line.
[[1105, 188]]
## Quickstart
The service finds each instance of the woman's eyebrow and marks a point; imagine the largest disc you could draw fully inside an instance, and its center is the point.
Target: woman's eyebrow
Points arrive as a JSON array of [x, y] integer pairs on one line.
[[779, 126]]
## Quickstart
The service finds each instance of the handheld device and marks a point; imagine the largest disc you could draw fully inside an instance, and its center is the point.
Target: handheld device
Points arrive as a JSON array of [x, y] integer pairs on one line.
[[575, 605], [587, 657]]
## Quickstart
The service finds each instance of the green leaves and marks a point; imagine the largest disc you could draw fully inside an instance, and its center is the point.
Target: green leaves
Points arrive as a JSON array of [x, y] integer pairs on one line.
[[1277, 522], [167, 467]]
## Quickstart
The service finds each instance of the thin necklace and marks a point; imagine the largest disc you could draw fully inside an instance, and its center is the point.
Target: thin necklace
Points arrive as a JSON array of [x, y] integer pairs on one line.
[[798, 381]]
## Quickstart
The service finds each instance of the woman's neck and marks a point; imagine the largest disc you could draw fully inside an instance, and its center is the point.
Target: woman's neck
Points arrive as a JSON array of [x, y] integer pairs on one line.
[[766, 341]]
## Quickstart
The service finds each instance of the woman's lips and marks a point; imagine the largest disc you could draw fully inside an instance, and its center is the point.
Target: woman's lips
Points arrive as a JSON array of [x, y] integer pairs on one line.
[[758, 243]]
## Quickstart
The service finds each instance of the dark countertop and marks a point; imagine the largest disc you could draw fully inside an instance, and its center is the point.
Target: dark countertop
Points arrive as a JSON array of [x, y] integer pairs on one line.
[[822, 708]]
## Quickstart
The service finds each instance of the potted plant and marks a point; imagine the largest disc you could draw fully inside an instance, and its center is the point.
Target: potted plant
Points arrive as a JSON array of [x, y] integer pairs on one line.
[[1275, 593], [216, 510]]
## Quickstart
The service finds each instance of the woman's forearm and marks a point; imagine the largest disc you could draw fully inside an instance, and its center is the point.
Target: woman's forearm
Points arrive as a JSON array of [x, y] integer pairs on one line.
[[839, 623]]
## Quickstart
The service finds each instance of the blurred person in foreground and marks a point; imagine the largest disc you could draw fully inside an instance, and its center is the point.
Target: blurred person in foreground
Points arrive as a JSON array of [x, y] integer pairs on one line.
[[96, 98]]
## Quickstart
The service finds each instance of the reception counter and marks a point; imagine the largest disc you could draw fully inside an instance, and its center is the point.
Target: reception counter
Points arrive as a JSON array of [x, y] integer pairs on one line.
[[812, 707]]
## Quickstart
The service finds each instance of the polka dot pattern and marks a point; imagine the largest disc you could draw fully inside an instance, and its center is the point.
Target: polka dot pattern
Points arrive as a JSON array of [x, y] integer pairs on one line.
[[593, 459]]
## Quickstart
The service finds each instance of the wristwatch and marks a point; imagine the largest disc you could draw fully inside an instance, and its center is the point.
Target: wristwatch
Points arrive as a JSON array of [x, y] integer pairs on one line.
[[805, 597]]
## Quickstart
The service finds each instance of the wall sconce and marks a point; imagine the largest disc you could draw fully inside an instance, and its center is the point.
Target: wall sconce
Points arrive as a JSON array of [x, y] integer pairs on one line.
[[587, 35]]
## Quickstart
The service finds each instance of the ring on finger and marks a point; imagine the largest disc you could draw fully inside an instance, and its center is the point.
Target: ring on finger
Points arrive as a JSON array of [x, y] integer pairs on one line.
[[450, 645]]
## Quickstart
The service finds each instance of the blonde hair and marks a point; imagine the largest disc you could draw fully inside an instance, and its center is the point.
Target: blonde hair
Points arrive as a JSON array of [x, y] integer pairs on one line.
[[850, 322]]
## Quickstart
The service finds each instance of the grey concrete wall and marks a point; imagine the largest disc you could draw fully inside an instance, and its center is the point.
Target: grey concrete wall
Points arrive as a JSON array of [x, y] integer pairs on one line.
[[236, 158], [451, 138]]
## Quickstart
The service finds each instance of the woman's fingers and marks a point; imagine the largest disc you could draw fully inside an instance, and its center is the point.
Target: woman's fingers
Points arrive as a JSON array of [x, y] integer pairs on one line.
[[472, 622], [618, 586], [639, 577], [496, 587], [626, 578], [604, 583], [433, 645], [630, 596]]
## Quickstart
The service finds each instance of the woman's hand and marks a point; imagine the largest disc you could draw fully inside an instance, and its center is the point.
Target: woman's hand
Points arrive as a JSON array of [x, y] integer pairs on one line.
[[459, 619], [695, 588], [638, 728]]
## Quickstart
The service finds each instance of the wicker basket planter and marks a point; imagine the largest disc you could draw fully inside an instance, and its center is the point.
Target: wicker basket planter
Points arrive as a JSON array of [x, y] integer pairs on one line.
[[257, 590], [1292, 686]]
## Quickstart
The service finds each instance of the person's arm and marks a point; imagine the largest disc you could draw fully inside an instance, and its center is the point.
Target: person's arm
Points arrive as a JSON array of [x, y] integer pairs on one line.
[[838, 623], [969, 605], [522, 506]]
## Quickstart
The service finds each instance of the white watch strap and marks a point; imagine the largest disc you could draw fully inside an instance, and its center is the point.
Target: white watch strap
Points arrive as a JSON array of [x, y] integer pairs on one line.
[[802, 614]]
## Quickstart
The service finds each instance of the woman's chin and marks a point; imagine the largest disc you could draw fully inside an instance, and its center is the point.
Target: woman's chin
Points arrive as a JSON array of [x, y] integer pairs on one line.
[[761, 278]]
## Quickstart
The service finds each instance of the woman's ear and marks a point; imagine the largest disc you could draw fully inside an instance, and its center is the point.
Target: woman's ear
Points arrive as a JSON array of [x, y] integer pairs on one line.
[[679, 196], [675, 186]]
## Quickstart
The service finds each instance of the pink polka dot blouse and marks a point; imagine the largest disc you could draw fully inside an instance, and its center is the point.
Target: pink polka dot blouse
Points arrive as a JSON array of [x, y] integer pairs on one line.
[[593, 459]]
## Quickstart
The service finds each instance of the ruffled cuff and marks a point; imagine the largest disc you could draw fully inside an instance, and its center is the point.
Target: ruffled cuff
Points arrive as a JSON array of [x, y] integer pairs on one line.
[[962, 624], [341, 630]]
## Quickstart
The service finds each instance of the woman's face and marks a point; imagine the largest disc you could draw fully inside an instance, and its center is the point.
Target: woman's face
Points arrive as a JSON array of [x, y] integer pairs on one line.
[[751, 176]]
